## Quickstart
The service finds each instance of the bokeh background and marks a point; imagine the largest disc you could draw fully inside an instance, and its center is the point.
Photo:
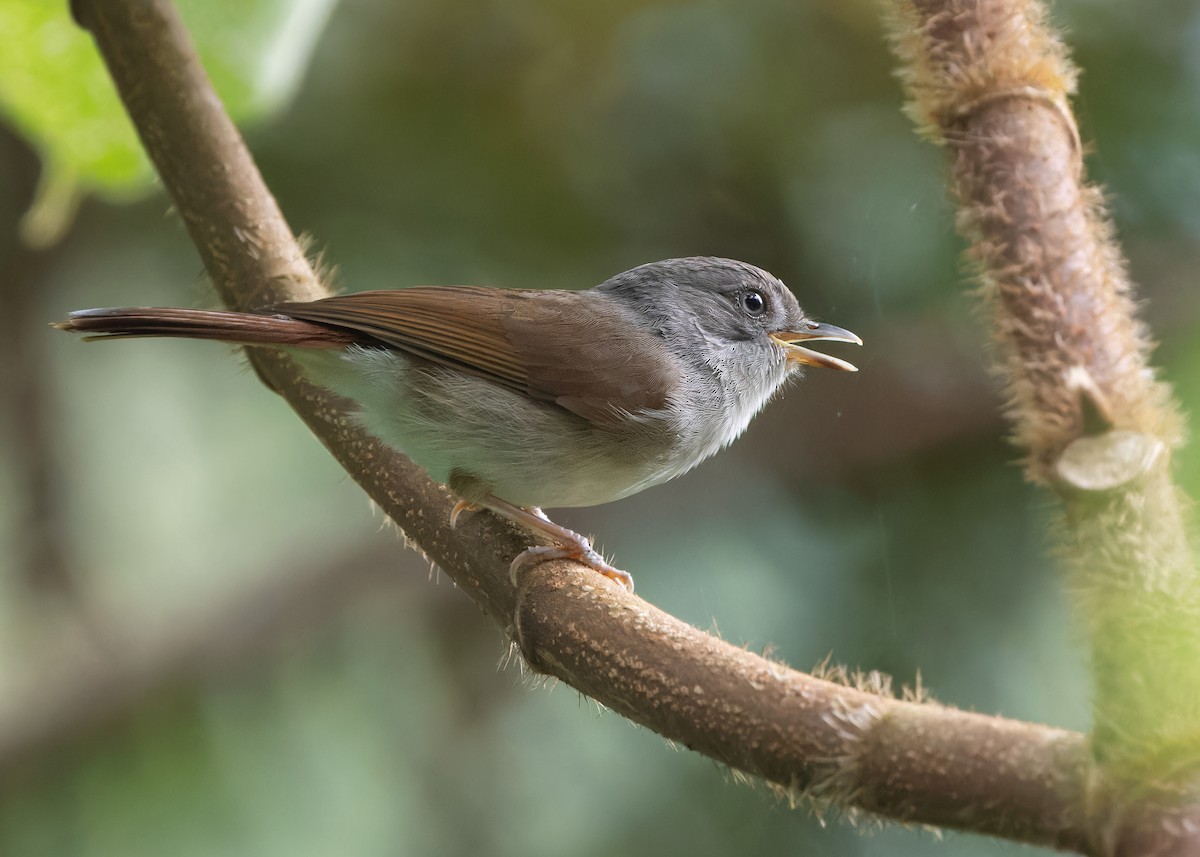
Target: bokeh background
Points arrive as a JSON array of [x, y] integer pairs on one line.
[[210, 643]]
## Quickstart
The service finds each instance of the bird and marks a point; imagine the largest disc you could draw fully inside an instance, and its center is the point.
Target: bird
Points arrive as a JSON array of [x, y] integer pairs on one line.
[[523, 399]]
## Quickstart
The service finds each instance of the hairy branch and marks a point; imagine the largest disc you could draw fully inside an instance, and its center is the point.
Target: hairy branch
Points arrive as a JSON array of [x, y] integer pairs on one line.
[[990, 81], [912, 761]]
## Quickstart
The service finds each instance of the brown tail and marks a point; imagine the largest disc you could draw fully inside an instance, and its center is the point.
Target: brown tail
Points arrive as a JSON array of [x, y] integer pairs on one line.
[[244, 328]]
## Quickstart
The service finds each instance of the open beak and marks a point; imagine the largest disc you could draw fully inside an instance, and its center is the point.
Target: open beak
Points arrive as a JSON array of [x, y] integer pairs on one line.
[[814, 331]]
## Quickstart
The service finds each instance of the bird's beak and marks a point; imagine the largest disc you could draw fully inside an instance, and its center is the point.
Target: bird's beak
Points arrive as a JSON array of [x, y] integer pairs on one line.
[[815, 331]]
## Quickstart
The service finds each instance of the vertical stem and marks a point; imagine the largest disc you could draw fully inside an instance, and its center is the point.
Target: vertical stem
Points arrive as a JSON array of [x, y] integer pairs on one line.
[[990, 81]]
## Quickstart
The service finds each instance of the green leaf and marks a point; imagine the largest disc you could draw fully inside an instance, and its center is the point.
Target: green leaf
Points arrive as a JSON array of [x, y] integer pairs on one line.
[[55, 91]]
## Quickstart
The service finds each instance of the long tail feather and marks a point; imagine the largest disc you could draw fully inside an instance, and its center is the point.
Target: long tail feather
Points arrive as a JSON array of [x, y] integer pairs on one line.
[[238, 327]]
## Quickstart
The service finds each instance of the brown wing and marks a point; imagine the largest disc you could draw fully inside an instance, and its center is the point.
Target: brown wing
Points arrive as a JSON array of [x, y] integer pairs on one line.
[[576, 349], [455, 326]]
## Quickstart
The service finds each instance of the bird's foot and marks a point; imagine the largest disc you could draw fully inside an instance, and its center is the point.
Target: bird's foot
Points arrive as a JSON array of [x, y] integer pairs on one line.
[[571, 545], [578, 549]]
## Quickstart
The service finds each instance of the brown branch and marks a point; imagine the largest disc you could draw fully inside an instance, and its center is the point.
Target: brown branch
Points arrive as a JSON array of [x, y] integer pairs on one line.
[[916, 762], [27, 418], [910, 761], [990, 81]]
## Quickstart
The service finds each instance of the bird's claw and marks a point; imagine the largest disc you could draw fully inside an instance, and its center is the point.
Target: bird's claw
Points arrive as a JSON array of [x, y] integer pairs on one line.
[[570, 544], [460, 507], [582, 552]]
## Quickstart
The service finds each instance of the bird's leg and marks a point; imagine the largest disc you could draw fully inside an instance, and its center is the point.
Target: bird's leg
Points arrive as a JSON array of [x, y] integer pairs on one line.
[[571, 544]]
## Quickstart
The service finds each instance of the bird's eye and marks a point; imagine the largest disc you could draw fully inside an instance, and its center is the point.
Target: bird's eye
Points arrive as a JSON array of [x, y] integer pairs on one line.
[[754, 303]]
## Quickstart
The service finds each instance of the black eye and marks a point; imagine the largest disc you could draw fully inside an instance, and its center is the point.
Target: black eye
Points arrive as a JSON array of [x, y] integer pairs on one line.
[[754, 303]]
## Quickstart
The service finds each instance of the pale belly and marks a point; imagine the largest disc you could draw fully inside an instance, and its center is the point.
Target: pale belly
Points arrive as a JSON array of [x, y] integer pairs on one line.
[[464, 430]]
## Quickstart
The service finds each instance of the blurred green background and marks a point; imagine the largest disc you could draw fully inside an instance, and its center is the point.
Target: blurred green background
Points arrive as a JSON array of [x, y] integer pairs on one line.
[[210, 644]]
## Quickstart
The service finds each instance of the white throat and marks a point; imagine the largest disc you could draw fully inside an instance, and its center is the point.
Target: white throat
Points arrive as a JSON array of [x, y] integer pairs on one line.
[[724, 393]]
